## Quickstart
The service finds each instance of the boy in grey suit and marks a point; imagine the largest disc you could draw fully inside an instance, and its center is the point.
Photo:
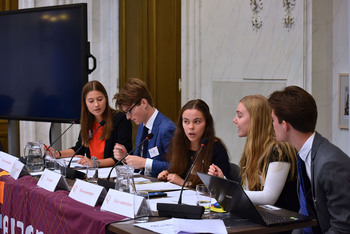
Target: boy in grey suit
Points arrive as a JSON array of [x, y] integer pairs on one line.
[[324, 176]]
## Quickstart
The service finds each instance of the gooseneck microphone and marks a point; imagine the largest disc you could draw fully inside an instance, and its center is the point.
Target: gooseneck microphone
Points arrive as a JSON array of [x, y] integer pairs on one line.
[[108, 184], [74, 122], [71, 173], [147, 138], [180, 210]]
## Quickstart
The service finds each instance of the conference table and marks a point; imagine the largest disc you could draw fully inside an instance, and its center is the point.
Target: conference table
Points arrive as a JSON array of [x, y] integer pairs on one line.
[[28, 208]]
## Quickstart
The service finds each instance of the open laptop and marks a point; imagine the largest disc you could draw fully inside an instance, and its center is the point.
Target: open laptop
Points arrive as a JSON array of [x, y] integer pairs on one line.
[[231, 196]]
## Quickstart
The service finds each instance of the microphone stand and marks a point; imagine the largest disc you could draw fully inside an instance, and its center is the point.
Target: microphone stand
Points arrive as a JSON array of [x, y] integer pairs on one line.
[[50, 146], [74, 122], [181, 210], [71, 173], [109, 184]]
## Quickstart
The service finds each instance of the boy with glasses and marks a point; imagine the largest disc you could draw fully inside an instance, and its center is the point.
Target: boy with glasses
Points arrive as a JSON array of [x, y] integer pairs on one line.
[[136, 101]]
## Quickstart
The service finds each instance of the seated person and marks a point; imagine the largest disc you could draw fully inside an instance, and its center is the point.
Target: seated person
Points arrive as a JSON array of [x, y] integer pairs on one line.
[[136, 101], [267, 167], [117, 129], [194, 123], [325, 166]]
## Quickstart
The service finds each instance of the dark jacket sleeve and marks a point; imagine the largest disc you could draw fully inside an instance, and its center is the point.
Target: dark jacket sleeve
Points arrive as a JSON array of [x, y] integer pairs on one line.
[[83, 150], [220, 158], [121, 133]]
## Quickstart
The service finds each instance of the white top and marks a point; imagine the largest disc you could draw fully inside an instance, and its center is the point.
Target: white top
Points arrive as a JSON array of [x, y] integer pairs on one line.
[[276, 178]]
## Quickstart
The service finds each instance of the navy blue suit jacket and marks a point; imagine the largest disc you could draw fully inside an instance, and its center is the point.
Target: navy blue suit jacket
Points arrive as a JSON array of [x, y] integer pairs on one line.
[[163, 130]]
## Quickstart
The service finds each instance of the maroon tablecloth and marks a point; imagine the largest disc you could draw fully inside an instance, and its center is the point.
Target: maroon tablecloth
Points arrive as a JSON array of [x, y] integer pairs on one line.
[[28, 207]]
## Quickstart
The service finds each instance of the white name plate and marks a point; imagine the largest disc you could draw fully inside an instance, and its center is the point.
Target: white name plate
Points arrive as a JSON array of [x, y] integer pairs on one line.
[[119, 203], [16, 169], [51, 181], [7, 161], [87, 193]]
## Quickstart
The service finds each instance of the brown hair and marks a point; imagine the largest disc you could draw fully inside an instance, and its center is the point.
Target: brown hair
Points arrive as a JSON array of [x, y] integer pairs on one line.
[[179, 148], [133, 91], [87, 119], [295, 106]]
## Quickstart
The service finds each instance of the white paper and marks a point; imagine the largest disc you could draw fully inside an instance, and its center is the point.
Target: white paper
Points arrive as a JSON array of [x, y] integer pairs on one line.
[[216, 226], [157, 186], [164, 226], [141, 180], [185, 225], [74, 163], [188, 197]]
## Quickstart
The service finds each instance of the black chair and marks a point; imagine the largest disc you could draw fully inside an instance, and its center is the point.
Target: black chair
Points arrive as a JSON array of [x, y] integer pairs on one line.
[[235, 173]]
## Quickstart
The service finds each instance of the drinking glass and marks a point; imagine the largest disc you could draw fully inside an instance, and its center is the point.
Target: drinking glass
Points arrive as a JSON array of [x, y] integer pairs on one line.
[[141, 206], [92, 173], [203, 197]]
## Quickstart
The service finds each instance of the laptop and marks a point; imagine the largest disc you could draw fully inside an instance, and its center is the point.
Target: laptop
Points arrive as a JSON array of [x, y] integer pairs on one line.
[[231, 196]]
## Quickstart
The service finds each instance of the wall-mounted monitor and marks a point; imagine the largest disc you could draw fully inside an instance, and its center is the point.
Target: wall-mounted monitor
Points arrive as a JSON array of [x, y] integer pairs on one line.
[[44, 56]]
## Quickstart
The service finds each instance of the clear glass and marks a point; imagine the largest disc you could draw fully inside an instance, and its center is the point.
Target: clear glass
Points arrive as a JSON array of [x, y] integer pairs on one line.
[[49, 161], [92, 173], [203, 197], [141, 207], [124, 178], [60, 167]]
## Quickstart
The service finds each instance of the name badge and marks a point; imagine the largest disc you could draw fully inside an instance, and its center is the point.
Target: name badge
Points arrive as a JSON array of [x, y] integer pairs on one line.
[[119, 203], [51, 181], [86, 192], [153, 152]]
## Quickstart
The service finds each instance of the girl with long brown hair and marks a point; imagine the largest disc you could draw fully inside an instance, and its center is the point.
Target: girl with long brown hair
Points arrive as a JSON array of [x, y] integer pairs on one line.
[[194, 123], [117, 129]]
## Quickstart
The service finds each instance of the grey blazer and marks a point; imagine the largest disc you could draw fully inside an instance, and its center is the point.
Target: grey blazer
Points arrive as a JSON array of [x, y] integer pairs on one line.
[[330, 184]]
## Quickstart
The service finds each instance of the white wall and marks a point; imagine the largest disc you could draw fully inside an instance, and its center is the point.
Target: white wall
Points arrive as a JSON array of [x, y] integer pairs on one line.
[[340, 137], [223, 59]]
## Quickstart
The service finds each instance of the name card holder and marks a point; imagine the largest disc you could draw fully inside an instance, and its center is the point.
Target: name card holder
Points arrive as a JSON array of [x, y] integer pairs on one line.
[[12, 165], [52, 181], [121, 203], [87, 193]]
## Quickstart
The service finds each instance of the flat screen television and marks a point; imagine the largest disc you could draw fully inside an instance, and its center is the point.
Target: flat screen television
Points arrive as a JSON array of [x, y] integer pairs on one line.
[[44, 55]]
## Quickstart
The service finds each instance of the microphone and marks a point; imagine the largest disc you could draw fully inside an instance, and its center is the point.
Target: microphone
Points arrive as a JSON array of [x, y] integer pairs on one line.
[[74, 122], [180, 210], [71, 173], [108, 184]]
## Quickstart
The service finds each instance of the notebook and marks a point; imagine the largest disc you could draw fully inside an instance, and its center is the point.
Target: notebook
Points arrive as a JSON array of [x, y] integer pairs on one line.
[[231, 196]]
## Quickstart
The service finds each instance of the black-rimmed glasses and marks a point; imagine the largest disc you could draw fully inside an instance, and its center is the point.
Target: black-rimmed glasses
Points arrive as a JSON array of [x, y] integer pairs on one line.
[[129, 111]]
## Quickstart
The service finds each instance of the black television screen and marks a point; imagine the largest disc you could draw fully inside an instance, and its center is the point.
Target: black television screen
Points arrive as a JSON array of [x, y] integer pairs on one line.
[[44, 56]]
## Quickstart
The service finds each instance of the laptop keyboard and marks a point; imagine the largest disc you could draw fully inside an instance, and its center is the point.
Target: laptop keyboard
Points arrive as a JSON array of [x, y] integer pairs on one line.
[[272, 218]]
